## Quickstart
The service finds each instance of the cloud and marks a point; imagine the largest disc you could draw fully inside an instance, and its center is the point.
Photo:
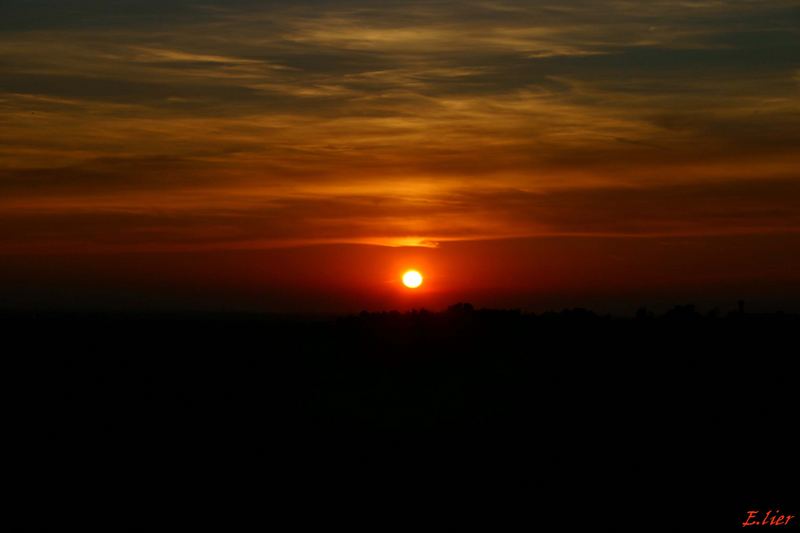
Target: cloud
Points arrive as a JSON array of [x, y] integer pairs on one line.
[[175, 221], [346, 121]]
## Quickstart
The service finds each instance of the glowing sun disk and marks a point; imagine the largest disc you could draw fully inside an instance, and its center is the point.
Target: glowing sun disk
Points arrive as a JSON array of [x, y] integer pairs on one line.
[[412, 279]]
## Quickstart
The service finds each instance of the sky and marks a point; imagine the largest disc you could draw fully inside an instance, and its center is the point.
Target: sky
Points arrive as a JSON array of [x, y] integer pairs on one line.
[[299, 155]]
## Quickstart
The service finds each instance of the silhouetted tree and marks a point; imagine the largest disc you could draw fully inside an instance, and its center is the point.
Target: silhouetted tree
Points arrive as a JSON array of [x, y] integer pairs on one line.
[[683, 312], [461, 308]]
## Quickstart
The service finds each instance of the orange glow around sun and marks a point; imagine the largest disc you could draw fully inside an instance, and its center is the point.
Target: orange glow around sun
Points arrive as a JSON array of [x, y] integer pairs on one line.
[[412, 279]]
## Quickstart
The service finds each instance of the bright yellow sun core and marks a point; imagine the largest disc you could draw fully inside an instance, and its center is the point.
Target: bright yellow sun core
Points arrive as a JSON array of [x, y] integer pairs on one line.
[[412, 279]]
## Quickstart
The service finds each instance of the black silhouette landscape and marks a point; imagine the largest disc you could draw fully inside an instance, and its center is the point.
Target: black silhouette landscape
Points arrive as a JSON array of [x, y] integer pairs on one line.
[[595, 418]]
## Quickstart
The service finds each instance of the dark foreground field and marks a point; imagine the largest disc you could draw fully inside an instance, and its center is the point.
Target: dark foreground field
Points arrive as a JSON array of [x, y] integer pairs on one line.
[[489, 419]]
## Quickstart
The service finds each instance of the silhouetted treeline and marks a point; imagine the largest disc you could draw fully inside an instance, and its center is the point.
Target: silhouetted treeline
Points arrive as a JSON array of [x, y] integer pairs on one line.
[[571, 410], [466, 311]]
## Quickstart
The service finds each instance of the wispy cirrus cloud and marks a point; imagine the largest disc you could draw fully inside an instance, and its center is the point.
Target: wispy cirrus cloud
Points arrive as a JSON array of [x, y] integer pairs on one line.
[[203, 109]]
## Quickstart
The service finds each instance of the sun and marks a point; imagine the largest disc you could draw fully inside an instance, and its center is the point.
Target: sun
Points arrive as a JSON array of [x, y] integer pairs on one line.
[[412, 279]]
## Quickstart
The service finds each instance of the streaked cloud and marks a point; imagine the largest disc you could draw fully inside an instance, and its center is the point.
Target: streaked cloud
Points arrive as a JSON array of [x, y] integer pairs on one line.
[[180, 123], [207, 219]]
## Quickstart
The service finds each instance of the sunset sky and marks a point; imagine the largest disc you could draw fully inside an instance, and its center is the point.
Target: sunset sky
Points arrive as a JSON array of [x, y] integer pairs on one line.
[[299, 155]]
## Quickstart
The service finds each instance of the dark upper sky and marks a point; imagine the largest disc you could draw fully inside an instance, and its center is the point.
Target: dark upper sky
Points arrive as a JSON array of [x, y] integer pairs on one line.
[[143, 127]]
